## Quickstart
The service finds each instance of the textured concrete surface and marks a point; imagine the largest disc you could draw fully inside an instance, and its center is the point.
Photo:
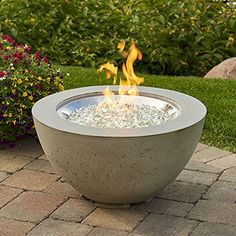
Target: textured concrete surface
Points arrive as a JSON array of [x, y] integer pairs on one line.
[[138, 162], [34, 200]]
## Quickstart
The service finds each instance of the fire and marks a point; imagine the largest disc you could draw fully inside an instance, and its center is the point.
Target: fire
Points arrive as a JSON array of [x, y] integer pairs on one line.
[[128, 69], [108, 98], [130, 81], [110, 69]]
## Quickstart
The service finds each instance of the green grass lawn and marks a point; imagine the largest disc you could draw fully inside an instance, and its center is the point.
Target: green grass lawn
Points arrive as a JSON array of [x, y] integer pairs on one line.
[[219, 96]]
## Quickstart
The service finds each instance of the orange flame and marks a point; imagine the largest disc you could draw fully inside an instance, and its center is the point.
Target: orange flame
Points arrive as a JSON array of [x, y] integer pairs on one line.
[[108, 97], [121, 47], [110, 69], [128, 69], [127, 85]]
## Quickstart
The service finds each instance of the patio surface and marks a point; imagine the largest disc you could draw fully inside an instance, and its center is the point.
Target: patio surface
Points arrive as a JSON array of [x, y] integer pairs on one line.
[[34, 200]]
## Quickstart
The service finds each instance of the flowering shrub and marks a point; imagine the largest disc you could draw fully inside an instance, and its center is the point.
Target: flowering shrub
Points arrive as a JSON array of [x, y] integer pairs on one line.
[[24, 79]]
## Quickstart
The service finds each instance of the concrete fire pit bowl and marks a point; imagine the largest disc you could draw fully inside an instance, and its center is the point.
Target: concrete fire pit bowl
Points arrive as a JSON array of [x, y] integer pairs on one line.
[[118, 166]]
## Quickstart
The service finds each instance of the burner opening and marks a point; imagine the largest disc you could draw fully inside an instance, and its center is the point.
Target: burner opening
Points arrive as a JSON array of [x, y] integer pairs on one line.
[[140, 111]]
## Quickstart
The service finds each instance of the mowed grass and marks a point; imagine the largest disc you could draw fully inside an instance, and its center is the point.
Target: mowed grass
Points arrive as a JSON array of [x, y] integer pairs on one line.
[[219, 96]]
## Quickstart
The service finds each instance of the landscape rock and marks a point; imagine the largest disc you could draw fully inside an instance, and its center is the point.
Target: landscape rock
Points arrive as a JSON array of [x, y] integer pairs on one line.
[[224, 70]]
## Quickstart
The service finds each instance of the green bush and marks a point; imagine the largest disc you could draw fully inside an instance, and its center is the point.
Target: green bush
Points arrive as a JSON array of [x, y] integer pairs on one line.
[[24, 79], [176, 37]]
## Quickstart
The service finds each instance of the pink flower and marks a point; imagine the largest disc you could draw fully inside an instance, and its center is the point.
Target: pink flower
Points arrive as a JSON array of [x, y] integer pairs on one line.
[[6, 57], [37, 55], [14, 43], [20, 56], [4, 37], [27, 49], [2, 74], [14, 54], [45, 60], [9, 39]]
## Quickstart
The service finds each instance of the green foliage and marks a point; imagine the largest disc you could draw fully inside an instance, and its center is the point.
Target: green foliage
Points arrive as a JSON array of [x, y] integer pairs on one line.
[[193, 36], [24, 79], [176, 37]]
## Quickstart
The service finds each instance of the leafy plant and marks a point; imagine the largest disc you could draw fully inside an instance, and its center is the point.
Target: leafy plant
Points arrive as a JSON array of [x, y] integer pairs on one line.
[[176, 37], [24, 79]]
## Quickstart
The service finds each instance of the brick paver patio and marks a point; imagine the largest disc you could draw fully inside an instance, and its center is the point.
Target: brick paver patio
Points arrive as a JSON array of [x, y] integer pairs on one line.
[[35, 200]]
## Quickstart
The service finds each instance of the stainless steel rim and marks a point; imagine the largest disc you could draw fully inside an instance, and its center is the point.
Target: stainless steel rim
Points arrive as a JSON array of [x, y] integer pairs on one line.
[[191, 111]]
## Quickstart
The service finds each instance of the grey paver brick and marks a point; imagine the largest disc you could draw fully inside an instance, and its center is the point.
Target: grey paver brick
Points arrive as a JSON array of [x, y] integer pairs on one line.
[[209, 154], [224, 162], [214, 211], [7, 194], [11, 163], [74, 210], [29, 147], [166, 207], [163, 225], [200, 166], [201, 146], [125, 220], [181, 191], [62, 180], [222, 191], [229, 175], [31, 180], [51, 227], [212, 229], [41, 165], [167, 211], [135, 234], [62, 189], [197, 177], [43, 157], [107, 232], [3, 175], [9, 227], [31, 206]]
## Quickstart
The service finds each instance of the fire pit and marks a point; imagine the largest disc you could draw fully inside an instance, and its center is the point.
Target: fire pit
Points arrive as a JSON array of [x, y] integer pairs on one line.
[[119, 165], [123, 148]]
